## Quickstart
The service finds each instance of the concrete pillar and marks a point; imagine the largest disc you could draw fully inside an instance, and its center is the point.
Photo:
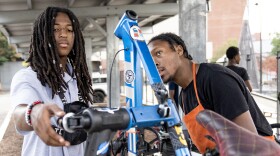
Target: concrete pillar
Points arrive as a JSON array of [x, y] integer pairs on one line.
[[192, 27], [112, 48], [88, 49]]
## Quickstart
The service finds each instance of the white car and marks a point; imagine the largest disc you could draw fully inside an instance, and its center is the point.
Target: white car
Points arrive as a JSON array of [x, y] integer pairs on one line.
[[99, 86]]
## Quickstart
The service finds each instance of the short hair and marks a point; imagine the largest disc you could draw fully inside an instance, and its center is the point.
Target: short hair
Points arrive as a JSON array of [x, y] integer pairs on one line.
[[172, 39], [232, 52]]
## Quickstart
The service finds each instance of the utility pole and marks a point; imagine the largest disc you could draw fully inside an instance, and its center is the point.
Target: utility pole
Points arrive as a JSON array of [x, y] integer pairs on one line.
[[257, 4], [278, 88], [261, 62]]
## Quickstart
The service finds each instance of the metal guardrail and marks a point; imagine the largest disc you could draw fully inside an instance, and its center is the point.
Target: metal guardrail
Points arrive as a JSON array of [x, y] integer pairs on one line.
[[268, 105], [264, 96]]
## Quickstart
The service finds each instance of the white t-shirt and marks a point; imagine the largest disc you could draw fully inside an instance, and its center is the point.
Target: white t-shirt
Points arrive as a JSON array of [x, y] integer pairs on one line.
[[26, 89]]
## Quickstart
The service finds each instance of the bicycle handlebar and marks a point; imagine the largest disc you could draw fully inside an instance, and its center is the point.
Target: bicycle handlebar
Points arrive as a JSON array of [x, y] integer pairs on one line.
[[96, 119]]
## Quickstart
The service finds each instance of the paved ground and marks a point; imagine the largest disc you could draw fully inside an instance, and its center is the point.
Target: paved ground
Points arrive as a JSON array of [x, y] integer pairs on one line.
[[10, 145], [4, 104]]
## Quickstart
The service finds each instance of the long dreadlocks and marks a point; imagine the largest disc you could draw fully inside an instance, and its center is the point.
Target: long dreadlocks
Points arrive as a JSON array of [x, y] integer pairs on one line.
[[44, 58]]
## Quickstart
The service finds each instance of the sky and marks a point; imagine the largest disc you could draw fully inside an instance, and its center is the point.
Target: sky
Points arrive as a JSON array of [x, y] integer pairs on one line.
[[264, 17]]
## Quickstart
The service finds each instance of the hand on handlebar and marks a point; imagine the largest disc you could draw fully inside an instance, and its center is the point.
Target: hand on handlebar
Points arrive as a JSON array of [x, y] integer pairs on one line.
[[40, 117]]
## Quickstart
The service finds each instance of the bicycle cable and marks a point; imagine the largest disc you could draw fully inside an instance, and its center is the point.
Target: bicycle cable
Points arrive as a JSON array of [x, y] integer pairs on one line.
[[110, 75]]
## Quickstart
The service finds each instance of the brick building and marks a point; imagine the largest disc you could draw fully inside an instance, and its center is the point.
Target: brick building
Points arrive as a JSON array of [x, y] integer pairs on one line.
[[225, 21]]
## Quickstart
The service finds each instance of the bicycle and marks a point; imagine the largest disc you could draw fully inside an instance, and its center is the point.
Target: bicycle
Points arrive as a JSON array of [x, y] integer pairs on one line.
[[101, 124]]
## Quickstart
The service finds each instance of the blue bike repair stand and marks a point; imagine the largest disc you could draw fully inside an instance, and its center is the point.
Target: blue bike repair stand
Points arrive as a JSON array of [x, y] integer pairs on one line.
[[136, 51]]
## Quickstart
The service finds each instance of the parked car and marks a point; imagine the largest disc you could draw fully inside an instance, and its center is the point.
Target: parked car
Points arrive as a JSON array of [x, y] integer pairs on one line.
[[99, 86]]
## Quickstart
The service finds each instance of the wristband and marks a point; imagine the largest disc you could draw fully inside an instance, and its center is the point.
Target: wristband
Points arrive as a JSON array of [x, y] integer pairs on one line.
[[28, 112]]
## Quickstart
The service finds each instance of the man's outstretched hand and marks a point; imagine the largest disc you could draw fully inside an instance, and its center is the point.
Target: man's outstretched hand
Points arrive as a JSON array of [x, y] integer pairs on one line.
[[40, 117]]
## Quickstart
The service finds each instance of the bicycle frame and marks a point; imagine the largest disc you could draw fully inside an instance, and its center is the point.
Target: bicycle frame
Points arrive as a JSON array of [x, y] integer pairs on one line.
[[135, 51], [102, 123]]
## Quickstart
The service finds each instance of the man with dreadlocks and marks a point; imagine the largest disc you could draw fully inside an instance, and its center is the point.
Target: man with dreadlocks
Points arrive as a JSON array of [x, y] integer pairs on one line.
[[206, 86], [57, 77]]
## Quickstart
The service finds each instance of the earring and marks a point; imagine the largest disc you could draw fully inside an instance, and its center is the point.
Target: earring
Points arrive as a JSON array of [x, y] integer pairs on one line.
[[53, 61]]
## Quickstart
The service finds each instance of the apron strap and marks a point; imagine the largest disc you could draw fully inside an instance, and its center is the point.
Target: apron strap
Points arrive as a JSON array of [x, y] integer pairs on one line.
[[181, 101], [194, 82]]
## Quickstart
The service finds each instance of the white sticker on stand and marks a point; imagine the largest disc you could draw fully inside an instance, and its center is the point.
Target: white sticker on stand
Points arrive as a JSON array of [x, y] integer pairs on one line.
[[136, 33]]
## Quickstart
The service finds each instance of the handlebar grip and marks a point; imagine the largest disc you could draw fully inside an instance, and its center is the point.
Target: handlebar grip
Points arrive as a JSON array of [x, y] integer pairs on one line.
[[94, 120], [102, 119]]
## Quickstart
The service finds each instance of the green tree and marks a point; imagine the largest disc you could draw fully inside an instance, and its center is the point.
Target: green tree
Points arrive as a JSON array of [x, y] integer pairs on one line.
[[276, 44], [221, 51], [7, 52]]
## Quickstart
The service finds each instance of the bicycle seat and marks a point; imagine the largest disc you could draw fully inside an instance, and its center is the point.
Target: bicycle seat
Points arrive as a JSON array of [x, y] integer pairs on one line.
[[232, 139]]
